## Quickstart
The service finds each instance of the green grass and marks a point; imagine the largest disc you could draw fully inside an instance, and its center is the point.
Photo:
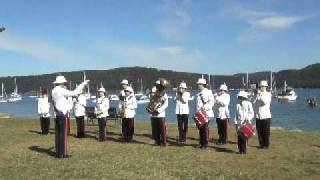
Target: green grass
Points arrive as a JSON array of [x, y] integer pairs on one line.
[[24, 154]]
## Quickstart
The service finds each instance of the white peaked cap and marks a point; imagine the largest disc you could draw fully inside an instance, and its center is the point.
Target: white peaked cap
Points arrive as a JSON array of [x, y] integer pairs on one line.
[[243, 94], [201, 81], [263, 83], [102, 89], [223, 87], [125, 82], [60, 80], [183, 85]]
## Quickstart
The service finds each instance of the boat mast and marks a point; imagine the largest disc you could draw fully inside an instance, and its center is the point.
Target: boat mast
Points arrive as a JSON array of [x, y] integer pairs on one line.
[[271, 81]]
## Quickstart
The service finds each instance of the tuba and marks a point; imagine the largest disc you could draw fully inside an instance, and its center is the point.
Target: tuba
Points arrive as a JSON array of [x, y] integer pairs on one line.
[[157, 100]]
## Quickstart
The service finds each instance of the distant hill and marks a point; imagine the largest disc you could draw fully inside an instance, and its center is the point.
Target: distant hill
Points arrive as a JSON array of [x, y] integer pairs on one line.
[[308, 77]]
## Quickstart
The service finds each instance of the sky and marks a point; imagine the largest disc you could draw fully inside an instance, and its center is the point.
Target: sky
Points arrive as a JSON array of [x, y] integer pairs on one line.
[[203, 36]]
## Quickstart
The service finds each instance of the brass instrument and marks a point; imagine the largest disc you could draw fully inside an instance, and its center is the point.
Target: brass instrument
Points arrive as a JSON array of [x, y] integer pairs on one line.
[[157, 100], [123, 106]]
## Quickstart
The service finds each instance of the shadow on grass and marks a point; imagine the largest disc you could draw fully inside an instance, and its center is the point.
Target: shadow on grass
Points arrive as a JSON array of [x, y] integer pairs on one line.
[[38, 149], [223, 149], [144, 135], [39, 132]]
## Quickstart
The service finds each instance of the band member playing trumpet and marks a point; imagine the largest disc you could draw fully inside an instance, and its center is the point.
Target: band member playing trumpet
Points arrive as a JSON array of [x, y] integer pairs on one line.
[[62, 112], [156, 108], [204, 102], [222, 101], [44, 112], [80, 103], [262, 104], [127, 106], [244, 114], [182, 111], [101, 111]]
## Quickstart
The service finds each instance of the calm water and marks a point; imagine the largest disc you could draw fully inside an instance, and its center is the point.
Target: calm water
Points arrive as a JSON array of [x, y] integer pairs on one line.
[[293, 115]]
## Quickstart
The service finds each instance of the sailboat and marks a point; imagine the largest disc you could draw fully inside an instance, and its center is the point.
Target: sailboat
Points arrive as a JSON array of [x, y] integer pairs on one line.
[[288, 93], [3, 97], [14, 96], [142, 98]]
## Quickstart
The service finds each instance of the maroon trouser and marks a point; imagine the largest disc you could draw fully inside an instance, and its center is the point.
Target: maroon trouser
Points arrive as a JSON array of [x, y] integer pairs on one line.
[[102, 129], [127, 128], [159, 130], [80, 127], [263, 129], [61, 136], [222, 125], [182, 126], [204, 134], [45, 125]]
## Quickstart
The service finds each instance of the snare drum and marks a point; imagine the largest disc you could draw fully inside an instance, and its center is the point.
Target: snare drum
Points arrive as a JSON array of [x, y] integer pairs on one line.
[[201, 117], [247, 130]]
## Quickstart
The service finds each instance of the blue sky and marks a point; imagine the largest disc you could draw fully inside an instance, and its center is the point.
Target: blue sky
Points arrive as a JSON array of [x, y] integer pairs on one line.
[[213, 36]]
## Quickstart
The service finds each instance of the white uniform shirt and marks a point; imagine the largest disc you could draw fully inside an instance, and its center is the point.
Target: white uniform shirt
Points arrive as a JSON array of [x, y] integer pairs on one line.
[[182, 103], [222, 106], [80, 106], [60, 97], [43, 107], [102, 107], [131, 105], [162, 109], [244, 112], [262, 105], [208, 99]]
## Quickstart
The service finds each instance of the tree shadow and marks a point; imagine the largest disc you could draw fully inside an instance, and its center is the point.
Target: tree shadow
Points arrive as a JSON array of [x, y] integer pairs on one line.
[[38, 149]]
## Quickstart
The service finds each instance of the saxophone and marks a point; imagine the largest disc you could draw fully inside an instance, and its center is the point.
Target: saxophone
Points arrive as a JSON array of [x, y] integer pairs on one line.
[[123, 108]]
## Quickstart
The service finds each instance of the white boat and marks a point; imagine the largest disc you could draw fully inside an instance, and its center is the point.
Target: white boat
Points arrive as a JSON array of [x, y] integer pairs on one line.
[[14, 96], [113, 97], [143, 99], [288, 93]]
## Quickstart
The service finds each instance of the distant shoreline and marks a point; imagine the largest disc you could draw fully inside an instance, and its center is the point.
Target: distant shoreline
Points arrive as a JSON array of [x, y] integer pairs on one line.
[[273, 128]]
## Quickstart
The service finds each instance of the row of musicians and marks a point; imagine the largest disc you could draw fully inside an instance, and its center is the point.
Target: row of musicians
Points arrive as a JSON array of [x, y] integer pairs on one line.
[[205, 100]]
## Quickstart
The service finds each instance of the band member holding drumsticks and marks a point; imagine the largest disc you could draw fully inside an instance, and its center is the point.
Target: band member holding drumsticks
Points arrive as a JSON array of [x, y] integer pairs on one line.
[[44, 112], [244, 114], [263, 114], [205, 102], [182, 111], [80, 103], [127, 107], [101, 111], [157, 108], [62, 112], [222, 101]]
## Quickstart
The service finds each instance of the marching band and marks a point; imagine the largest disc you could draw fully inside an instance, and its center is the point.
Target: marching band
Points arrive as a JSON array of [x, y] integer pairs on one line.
[[205, 102]]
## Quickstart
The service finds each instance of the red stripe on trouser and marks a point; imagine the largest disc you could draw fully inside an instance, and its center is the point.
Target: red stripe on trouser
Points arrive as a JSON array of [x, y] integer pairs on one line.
[[66, 136], [226, 130]]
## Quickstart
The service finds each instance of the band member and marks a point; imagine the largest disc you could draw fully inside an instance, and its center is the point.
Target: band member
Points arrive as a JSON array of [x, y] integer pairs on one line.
[[182, 111], [124, 84], [44, 112], [205, 101], [101, 111], [263, 114], [156, 107], [222, 101], [62, 112], [80, 112], [244, 114], [127, 108]]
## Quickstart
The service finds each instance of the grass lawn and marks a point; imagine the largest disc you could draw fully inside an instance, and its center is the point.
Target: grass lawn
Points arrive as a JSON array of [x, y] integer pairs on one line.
[[25, 154]]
